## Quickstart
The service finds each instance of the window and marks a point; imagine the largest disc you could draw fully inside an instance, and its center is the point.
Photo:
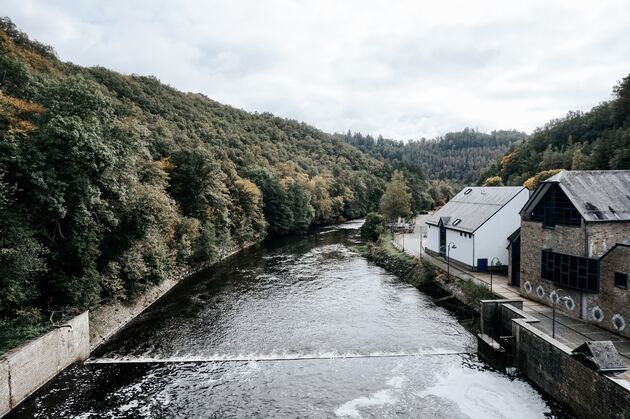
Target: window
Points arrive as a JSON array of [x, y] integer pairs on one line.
[[555, 208], [621, 280], [459, 220], [469, 190], [571, 271]]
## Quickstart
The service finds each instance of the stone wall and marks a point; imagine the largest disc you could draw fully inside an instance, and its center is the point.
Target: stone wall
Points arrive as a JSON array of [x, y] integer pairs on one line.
[[550, 364], [26, 368], [564, 239], [571, 382], [603, 236], [590, 241], [611, 301]]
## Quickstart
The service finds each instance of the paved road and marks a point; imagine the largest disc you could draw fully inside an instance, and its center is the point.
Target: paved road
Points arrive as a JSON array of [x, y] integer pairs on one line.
[[570, 331]]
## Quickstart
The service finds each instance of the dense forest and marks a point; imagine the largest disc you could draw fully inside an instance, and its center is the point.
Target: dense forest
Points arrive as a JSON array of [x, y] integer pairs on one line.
[[456, 157], [111, 182], [598, 139]]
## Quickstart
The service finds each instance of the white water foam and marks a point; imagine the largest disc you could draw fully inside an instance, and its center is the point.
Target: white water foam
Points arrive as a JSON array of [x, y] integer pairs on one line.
[[271, 357], [380, 398], [487, 394]]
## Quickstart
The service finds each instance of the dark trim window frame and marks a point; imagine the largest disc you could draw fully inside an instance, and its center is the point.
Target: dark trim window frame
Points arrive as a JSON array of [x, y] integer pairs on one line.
[[570, 271], [621, 280], [556, 208]]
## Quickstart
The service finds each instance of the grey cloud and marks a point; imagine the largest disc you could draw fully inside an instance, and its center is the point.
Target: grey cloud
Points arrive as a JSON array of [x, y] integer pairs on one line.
[[403, 69]]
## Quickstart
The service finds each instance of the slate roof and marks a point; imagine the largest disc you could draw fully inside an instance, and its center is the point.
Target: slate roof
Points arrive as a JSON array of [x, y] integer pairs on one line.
[[599, 195], [602, 355], [473, 208]]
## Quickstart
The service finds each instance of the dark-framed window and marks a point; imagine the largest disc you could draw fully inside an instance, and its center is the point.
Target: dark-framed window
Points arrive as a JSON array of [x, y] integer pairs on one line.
[[621, 280], [555, 208], [570, 271]]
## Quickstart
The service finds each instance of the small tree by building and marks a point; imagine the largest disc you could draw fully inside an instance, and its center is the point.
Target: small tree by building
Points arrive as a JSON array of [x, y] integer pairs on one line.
[[396, 201], [533, 182], [373, 227], [493, 181]]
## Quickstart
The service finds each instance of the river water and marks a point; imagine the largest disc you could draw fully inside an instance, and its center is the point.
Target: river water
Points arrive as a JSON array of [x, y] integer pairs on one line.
[[296, 328]]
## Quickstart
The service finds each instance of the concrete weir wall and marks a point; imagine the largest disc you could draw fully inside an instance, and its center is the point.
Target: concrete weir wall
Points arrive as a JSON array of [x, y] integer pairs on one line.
[[26, 368]]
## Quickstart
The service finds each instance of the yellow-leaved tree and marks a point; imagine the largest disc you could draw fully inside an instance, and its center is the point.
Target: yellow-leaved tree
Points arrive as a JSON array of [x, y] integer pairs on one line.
[[396, 201]]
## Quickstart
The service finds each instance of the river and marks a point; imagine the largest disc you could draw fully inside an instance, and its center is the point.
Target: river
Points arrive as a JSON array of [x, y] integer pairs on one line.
[[300, 327]]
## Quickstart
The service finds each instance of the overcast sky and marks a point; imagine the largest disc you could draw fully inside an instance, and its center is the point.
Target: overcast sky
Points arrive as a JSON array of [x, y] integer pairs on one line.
[[403, 69]]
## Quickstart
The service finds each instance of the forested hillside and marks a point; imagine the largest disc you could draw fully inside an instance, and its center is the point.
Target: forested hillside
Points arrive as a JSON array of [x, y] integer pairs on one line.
[[598, 139], [457, 157], [109, 182]]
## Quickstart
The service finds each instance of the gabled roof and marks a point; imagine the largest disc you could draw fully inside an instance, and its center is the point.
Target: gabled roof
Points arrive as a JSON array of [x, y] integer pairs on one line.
[[599, 195], [473, 206], [625, 243]]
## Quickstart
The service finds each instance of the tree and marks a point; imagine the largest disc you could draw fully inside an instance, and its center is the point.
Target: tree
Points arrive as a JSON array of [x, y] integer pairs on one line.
[[373, 227], [276, 205], [396, 201], [493, 181], [533, 182], [301, 208]]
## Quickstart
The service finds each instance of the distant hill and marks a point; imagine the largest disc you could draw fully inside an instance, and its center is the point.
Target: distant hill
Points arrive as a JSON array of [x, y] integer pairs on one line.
[[456, 157], [598, 139]]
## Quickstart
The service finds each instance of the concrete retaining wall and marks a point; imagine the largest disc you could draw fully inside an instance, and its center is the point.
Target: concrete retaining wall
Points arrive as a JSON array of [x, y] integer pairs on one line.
[[550, 364], [108, 319], [26, 368]]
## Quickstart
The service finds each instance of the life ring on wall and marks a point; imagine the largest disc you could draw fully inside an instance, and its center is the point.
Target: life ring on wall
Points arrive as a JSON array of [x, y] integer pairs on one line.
[[540, 291], [528, 287], [618, 322], [597, 314], [569, 303]]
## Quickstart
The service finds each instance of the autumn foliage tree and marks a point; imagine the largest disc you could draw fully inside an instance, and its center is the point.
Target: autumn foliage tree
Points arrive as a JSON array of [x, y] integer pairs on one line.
[[396, 201]]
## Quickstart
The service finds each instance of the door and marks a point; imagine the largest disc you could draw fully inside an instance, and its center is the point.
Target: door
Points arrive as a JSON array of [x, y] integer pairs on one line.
[[516, 262], [482, 265], [443, 241]]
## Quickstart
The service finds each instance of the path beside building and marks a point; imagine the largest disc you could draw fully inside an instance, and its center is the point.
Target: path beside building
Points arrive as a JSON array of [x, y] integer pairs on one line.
[[571, 332]]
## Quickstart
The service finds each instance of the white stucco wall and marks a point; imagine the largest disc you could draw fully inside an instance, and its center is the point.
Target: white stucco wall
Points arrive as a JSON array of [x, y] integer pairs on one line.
[[463, 251], [491, 238], [433, 238]]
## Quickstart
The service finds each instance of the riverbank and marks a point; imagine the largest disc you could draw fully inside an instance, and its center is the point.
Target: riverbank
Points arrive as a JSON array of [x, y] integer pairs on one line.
[[107, 320]]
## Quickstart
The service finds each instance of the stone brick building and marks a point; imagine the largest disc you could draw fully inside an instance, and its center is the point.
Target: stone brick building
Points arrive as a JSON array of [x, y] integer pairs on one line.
[[575, 242]]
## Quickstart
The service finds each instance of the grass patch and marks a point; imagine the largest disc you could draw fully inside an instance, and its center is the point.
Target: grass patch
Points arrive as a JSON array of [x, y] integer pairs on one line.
[[474, 293], [361, 249], [17, 330], [386, 244]]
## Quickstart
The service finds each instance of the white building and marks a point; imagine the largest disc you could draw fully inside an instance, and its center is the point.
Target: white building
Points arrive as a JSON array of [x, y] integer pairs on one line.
[[476, 223]]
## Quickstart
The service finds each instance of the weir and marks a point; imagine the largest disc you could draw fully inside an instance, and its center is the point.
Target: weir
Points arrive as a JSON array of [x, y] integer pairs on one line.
[[267, 359]]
